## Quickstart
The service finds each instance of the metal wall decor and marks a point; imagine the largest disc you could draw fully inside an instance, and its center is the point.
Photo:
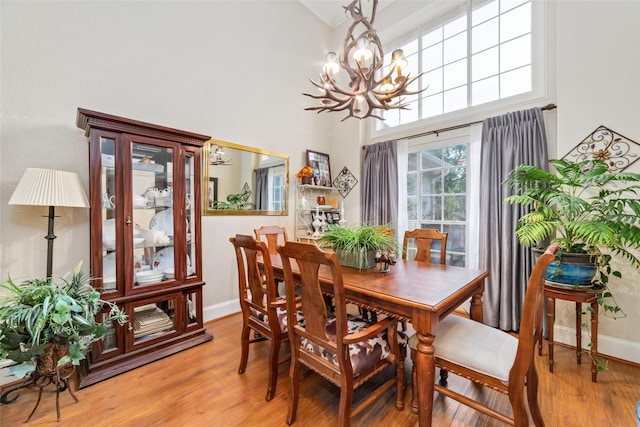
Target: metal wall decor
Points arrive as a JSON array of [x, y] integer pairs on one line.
[[345, 181], [604, 144]]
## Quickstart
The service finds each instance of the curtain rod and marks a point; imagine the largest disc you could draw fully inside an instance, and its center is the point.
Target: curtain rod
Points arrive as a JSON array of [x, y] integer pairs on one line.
[[438, 131]]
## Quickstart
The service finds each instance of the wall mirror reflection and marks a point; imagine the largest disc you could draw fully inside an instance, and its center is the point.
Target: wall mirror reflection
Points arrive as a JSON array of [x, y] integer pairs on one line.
[[240, 180]]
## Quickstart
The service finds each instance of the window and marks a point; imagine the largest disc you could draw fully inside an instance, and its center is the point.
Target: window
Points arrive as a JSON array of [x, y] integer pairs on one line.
[[477, 53], [276, 188], [437, 195]]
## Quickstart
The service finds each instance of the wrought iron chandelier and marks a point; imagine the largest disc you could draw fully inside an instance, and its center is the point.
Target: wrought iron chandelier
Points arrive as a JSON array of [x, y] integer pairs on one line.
[[369, 87]]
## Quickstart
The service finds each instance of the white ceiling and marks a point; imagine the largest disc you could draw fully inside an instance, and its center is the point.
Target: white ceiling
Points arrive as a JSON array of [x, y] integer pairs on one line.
[[332, 11]]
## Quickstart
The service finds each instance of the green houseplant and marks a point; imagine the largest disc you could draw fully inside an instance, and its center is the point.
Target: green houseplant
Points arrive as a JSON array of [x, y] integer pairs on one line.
[[237, 202], [357, 245], [584, 208], [42, 314]]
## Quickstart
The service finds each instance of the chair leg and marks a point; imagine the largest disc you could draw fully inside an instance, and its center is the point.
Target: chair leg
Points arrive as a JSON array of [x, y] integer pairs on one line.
[[444, 375], [414, 384], [244, 341], [344, 408], [294, 389], [400, 385], [532, 396], [273, 367], [516, 397]]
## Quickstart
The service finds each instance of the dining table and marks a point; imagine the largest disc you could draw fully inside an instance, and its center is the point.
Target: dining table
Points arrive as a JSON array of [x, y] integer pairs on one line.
[[419, 292]]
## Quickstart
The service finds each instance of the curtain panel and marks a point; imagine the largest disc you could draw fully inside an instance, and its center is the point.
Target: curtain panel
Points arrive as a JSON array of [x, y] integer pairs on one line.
[[379, 196], [507, 141], [261, 196]]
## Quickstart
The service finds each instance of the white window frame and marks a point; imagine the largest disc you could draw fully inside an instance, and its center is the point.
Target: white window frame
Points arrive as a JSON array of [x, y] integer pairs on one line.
[[543, 81]]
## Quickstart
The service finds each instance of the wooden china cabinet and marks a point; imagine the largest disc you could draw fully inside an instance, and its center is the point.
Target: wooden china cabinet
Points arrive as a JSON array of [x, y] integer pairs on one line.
[[145, 240]]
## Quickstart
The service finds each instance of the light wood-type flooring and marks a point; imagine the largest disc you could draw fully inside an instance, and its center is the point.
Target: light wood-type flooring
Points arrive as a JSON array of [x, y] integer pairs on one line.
[[201, 387]]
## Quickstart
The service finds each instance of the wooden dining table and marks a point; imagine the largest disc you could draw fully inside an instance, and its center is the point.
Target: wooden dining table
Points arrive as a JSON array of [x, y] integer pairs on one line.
[[419, 292]]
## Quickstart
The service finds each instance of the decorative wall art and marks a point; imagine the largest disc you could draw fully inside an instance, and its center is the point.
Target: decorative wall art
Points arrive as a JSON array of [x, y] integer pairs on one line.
[[604, 144], [319, 162], [345, 181]]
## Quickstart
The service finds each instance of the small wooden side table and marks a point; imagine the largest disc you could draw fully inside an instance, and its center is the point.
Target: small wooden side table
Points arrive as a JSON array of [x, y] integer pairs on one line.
[[579, 296]]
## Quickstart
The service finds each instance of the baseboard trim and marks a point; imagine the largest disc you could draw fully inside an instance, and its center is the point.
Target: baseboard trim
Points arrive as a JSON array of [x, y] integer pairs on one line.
[[607, 346], [222, 309]]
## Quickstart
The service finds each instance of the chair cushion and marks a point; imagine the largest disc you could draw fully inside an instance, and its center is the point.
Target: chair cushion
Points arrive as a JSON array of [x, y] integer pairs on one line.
[[282, 316], [364, 354], [475, 346]]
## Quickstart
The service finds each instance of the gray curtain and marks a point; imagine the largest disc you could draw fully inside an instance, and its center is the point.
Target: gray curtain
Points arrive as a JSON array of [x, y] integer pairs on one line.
[[261, 196], [379, 198], [507, 141]]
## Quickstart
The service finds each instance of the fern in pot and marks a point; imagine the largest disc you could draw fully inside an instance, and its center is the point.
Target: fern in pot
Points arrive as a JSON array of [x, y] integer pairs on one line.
[[586, 209], [52, 322], [356, 246]]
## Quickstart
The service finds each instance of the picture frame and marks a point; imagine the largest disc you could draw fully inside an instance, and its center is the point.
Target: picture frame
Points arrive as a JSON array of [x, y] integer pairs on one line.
[[321, 166]]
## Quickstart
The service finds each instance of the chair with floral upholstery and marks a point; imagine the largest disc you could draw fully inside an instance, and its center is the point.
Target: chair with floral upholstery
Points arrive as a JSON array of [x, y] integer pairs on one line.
[[345, 350], [262, 311]]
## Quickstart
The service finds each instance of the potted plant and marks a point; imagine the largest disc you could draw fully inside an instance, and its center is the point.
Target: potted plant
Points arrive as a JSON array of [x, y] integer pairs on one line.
[[52, 322], [356, 246], [237, 202], [585, 210]]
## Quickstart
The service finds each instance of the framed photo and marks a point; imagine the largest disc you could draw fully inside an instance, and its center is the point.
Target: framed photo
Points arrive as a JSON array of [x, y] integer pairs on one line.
[[319, 162]]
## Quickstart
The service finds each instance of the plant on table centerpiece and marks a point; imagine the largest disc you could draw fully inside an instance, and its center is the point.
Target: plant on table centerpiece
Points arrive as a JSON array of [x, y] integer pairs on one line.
[[47, 320], [237, 202], [356, 246]]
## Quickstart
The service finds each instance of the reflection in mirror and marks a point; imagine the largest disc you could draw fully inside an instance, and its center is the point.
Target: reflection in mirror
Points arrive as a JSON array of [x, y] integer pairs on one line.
[[241, 180]]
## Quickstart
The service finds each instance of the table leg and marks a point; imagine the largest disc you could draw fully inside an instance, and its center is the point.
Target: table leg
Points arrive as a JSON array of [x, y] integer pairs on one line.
[[551, 308], [426, 372], [579, 333], [476, 312], [594, 339]]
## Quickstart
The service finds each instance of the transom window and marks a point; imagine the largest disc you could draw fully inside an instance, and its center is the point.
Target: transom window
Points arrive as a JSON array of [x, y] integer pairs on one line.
[[478, 53]]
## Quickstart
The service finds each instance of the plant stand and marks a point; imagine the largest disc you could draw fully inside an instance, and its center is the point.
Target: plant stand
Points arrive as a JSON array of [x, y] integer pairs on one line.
[[578, 296]]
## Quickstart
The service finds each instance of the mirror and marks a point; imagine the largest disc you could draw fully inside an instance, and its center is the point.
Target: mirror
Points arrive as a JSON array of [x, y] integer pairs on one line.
[[241, 180]]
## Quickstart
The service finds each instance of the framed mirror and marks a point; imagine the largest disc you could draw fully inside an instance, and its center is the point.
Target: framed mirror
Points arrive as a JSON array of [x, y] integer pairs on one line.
[[240, 180]]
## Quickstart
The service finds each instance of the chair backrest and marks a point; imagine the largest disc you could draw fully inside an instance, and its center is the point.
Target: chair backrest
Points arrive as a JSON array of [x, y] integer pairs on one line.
[[274, 235], [312, 260], [531, 320], [253, 282], [424, 237]]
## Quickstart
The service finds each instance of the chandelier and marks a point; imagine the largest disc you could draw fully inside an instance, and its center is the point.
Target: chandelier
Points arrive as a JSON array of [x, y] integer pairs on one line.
[[215, 157], [368, 86]]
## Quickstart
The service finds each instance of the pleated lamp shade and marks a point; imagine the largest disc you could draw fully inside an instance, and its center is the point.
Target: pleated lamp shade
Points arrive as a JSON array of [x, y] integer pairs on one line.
[[48, 187]]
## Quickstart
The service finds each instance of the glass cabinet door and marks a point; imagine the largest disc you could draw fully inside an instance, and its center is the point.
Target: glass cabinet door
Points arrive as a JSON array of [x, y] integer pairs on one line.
[[151, 320], [153, 214], [108, 209], [191, 206]]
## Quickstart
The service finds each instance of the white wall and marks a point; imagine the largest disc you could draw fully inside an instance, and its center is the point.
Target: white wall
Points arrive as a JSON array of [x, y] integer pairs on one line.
[[232, 70], [598, 84]]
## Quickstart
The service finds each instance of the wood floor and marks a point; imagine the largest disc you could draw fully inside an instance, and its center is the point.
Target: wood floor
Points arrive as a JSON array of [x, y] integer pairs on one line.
[[201, 387]]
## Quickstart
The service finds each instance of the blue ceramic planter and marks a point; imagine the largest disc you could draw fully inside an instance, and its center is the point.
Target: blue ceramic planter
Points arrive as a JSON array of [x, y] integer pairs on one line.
[[570, 269]]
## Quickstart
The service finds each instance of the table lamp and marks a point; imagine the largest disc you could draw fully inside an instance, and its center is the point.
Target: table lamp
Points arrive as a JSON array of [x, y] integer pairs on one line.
[[47, 187]]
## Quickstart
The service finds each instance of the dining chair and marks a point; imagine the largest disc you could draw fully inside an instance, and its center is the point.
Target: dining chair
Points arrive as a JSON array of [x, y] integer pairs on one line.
[[262, 310], [346, 350], [494, 358], [273, 234], [424, 238]]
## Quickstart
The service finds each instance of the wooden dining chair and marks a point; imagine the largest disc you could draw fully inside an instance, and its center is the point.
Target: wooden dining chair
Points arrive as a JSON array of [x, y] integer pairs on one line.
[[494, 358], [273, 234], [262, 311], [424, 238], [346, 350]]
